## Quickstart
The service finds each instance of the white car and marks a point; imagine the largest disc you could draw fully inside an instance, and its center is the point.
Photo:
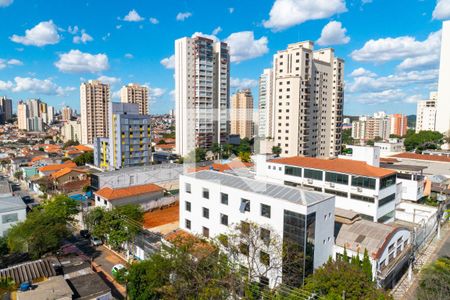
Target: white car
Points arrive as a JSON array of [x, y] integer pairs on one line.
[[116, 268], [95, 241]]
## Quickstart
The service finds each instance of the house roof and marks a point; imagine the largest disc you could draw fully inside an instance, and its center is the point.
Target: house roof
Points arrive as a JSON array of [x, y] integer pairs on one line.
[[65, 171], [83, 148], [38, 158], [11, 203], [336, 165], [29, 271], [409, 155], [235, 164], [120, 193], [165, 146], [67, 164], [89, 286]]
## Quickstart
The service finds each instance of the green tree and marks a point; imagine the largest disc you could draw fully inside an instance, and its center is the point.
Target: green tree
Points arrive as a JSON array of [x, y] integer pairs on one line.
[[216, 149], [3, 246], [434, 282], [161, 142], [422, 140], [276, 150], [370, 143], [45, 227], [245, 157], [6, 285], [85, 158], [347, 137], [366, 265], [337, 278]]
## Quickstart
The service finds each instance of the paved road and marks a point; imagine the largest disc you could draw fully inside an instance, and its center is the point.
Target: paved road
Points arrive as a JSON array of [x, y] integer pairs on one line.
[[445, 249]]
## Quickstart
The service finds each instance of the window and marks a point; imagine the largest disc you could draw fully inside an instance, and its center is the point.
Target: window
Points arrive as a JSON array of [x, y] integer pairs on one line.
[[337, 193], [362, 198], [205, 193], [364, 182], [293, 171], [188, 224], [386, 200], [245, 205], [205, 213], [9, 218], [387, 181], [386, 217], [244, 249], [265, 210], [263, 280], [188, 188], [224, 219], [336, 178], [188, 206], [264, 234], [245, 228], [313, 174], [264, 258], [205, 232], [224, 198]]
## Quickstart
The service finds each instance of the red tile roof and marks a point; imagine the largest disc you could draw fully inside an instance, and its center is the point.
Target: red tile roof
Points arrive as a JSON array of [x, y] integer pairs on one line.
[[83, 148], [114, 194], [67, 164], [65, 171], [235, 164], [422, 157], [336, 165]]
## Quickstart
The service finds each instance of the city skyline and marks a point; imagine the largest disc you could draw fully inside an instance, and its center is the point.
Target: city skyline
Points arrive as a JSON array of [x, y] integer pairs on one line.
[[47, 53]]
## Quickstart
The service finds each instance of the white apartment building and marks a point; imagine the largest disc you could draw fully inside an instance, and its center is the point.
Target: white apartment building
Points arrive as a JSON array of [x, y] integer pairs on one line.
[[370, 191], [426, 114], [241, 115], [12, 211], [308, 95], [71, 131], [266, 105], [391, 147], [135, 93], [202, 93], [22, 115], [94, 105], [211, 203], [443, 102]]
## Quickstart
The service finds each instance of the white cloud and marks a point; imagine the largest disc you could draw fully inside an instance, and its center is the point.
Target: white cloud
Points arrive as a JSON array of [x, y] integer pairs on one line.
[[287, 13], [76, 61], [413, 99], [208, 36], [128, 55], [366, 1], [133, 16], [333, 34], [169, 62], [44, 33], [84, 38], [392, 95], [11, 62], [362, 72], [442, 10], [109, 79], [5, 85], [118, 26], [404, 48], [217, 30], [420, 62], [244, 83], [35, 86], [181, 16], [231, 10], [243, 46], [5, 3], [116, 95], [155, 92], [106, 37], [154, 20], [73, 30]]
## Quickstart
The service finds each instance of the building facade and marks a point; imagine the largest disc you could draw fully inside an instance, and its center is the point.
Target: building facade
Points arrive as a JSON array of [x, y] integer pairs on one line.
[[308, 95], [6, 108], [443, 103], [129, 139], [33, 114], [426, 114], [266, 105], [66, 113], [71, 131], [94, 105], [241, 114], [22, 115], [135, 93], [369, 128], [202, 93], [398, 124], [213, 203]]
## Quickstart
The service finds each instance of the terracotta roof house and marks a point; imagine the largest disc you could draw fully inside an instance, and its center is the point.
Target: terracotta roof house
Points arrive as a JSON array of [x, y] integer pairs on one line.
[[49, 169]]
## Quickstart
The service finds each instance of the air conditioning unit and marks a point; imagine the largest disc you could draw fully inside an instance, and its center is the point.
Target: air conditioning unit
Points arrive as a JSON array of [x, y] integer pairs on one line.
[[331, 184], [359, 189], [310, 181]]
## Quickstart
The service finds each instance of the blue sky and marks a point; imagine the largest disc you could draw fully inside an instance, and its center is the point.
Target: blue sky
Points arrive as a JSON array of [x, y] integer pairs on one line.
[[47, 48]]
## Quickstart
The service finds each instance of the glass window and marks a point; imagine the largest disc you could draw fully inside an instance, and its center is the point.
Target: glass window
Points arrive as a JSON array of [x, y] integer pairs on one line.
[[224, 198], [205, 193], [264, 234], [364, 182], [188, 224], [188, 188], [224, 219], [386, 200], [188, 206], [205, 231], [313, 174], [336, 178], [386, 217], [362, 198], [293, 171], [337, 193], [9, 218], [205, 213], [387, 181], [245, 205], [265, 210], [264, 258]]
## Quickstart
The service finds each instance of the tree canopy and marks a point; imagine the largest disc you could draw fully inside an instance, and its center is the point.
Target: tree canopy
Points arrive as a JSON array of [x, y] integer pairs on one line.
[[434, 282], [85, 158], [423, 140]]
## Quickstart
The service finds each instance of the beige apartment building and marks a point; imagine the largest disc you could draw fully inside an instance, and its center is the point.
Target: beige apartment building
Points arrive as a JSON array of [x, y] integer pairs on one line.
[[369, 128], [241, 114], [66, 113], [22, 115], [308, 96], [135, 93], [265, 105], [94, 105]]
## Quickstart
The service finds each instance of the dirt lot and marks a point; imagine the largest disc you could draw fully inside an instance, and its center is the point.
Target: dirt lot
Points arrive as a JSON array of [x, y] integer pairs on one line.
[[161, 216]]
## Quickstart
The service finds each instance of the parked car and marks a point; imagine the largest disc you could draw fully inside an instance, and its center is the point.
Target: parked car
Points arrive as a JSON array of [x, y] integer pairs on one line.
[[117, 268], [85, 234], [95, 241]]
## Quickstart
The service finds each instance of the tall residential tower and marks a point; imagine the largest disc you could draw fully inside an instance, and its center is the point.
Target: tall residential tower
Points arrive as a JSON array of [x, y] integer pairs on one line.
[[135, 93], [241, 114], [426, 114], [266, 104], [443, 103]]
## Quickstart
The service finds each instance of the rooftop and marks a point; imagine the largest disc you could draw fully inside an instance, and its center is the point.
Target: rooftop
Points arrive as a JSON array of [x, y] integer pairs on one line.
[[67, 164], [5, 187], [29, 271], [89, 286], [401, 167], [11, 203], [65, 171], [143, 169], [161, 217], [114, 194], [55, 288], [437, 158], [278, 191], [347, 166]]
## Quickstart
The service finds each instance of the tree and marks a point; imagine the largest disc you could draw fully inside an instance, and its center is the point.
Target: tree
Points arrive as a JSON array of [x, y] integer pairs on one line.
[[161, 142], [216, 149], [45, 227], [85, 158], [347, 137], [370, 143], [70, 143], [6, 285], [422, 140], [276, 150], [434, 282], [3, 246], [337, 278], [245, 157], [366, 265]]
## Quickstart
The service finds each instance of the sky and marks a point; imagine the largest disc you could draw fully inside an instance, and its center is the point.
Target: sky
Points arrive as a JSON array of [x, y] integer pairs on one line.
[[48, 47]]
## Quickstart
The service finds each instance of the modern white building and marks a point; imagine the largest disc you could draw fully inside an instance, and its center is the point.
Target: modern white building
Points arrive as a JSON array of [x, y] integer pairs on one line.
[[12, 211], [391, 147], [443, 102], [426, 114], [266, 105], [308, 95], [359, 186], [202, 93], [212, 203], [71, 130]]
